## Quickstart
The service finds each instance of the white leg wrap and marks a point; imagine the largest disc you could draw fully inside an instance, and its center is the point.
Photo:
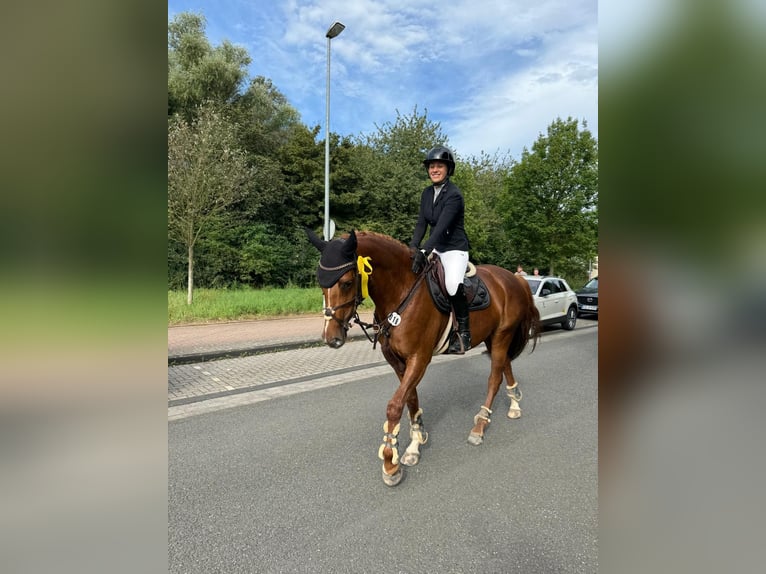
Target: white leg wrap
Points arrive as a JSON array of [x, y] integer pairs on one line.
[[418, 436], [483, 413], [514, 394], [413, 449], [390, 439]]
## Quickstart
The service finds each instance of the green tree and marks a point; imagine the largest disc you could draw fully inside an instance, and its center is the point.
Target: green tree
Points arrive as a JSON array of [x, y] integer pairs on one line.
[[199, 72], [391, 175], [207, 173], [352, 204], [482, 182], [265, 117], [551, 200], [302, 163]]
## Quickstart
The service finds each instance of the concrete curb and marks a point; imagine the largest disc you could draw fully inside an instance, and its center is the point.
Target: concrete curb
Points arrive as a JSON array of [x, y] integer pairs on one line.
[[218, 354], [215, 355]]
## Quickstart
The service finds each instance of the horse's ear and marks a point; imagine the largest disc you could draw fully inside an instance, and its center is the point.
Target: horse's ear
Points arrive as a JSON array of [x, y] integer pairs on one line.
[[349, 246], [315, 240]]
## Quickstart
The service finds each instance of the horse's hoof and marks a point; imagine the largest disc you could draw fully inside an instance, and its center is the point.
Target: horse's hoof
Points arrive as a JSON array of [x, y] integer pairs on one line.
[[410, 458], [393, 479], [514, 413], [475, 439]]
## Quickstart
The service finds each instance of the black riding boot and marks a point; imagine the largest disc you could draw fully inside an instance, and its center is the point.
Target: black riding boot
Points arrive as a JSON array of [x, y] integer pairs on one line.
[[461, 340]]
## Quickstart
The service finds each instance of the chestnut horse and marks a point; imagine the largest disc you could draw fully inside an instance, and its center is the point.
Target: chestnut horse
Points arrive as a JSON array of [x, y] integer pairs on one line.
[[411, 329]]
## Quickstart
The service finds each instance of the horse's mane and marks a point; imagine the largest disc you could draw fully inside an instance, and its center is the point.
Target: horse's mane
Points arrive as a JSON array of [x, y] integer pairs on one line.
[[395, 243]]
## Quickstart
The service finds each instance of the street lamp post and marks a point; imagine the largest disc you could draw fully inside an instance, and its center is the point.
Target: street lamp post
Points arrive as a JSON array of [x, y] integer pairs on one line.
[[333, 31]]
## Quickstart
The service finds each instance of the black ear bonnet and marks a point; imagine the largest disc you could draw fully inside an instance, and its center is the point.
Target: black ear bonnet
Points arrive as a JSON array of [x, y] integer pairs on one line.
[[338, 257]]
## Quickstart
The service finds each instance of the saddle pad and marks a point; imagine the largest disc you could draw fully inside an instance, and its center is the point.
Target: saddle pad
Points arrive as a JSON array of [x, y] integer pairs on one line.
[[476, 292]]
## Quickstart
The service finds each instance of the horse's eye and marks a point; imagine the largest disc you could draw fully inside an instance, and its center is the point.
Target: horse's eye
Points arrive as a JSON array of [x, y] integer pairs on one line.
[[347, 284]]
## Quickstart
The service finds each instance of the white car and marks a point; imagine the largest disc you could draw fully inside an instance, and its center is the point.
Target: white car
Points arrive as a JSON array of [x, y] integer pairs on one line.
[[554, 299]]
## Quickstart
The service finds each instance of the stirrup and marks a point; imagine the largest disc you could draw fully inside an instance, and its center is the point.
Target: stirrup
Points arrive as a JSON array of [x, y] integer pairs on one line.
[[460, 344]]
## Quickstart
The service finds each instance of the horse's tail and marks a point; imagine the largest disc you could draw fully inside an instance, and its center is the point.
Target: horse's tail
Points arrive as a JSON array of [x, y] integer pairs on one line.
[[528, 328]]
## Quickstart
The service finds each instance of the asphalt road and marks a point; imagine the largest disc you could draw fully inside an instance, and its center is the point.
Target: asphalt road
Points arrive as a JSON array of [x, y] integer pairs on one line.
[[293, 484]]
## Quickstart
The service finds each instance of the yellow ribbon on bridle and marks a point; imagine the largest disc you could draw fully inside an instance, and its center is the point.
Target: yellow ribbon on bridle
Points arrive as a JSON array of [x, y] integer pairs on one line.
[[362, 265]]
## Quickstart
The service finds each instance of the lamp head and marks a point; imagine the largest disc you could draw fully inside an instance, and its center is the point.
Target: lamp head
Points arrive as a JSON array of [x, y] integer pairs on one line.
[[335, 29]]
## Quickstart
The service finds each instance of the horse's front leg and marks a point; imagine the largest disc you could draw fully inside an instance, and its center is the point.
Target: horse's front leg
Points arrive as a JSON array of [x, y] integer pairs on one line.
[[389, 449], [481, 420], [418, 434], [389, 453]]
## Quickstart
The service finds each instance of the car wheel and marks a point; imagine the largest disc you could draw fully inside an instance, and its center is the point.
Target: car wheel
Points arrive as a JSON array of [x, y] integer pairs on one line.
[[571, 319]]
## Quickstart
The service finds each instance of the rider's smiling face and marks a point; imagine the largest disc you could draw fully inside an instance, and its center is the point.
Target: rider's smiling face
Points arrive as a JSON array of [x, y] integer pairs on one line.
[[437, 171]]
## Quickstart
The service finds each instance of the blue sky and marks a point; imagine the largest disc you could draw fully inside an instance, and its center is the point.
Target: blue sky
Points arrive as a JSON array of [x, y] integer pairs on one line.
[[493, 73]]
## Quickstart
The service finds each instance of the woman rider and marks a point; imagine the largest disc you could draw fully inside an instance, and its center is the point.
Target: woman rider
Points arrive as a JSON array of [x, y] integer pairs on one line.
[[443, 209]]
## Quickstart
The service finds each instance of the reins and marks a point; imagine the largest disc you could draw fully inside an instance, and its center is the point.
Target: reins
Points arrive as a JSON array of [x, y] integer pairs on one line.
[[393, 318]]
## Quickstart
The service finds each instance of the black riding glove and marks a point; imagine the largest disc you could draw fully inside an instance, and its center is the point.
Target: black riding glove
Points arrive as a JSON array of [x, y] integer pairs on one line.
[[418, 261]]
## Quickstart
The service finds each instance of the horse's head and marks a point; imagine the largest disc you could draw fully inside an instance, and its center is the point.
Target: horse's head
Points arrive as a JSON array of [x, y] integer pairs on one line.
[[337, 276]]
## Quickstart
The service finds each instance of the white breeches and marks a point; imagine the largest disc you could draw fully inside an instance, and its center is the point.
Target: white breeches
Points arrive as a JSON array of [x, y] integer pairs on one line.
[[454, 263]]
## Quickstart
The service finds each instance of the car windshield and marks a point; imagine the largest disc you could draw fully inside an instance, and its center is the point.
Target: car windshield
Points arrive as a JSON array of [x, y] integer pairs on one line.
[[533, 284], [592, 285]]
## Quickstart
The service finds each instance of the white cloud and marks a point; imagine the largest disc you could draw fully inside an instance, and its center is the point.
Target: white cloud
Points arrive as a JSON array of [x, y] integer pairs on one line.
[[560, 79], [495, 73]]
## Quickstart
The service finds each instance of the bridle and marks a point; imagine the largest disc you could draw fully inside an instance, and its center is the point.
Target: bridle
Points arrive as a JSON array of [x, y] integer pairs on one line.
[[329, 312], [376, 326]]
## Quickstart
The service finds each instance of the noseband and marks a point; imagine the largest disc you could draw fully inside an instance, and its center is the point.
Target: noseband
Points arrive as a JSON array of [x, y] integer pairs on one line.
[[329, 312]]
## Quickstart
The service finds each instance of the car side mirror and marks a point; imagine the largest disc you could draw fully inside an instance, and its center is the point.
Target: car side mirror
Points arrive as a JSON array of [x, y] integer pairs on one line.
[[545, 292]]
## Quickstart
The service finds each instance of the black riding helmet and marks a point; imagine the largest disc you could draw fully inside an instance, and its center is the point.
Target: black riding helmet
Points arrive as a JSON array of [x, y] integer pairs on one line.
[[441, 153]]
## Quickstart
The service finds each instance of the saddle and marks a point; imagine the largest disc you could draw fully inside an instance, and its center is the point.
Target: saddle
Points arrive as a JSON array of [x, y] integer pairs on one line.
[[476, 292]]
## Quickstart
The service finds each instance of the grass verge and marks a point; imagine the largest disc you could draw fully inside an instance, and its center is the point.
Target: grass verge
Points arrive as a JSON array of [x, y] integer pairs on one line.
[[219, 305]]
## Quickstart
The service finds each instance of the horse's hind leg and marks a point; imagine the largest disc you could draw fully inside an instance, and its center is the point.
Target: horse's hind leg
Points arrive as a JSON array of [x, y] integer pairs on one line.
[[418, 434], [511, 388], [513, 391], [481, 420]]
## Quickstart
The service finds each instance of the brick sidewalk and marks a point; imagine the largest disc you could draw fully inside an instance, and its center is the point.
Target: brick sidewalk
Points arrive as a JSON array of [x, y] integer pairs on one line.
[[253, 373]]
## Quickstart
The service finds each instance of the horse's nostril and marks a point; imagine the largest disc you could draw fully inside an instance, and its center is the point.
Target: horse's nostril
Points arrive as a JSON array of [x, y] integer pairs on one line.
[[336, 343]]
